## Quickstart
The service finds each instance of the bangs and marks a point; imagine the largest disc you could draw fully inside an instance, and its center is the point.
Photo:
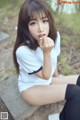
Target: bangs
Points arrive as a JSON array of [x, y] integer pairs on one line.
[[35, 10], [39, 13]]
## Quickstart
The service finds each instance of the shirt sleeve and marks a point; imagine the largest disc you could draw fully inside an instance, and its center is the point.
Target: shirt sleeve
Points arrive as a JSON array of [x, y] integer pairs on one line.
[[57, 44], [27, 60]]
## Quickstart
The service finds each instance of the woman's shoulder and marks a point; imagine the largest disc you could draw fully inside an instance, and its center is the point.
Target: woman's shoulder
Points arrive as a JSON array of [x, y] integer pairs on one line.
[[22, 50], [57, 38], [58, 34], [57, 44]]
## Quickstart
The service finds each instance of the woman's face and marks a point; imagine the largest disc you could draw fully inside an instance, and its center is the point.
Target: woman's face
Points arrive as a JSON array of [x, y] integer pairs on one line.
[[39, 26]]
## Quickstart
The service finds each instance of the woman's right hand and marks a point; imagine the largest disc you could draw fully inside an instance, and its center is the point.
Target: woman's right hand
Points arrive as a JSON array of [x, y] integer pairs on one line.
[[46, 44]]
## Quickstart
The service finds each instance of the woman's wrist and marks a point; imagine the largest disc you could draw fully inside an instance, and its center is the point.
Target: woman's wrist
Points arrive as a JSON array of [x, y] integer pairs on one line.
[[47, 54]]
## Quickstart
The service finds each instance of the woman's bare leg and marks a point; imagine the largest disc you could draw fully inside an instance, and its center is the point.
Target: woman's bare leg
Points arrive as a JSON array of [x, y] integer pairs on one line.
[[41, 95], [71, 79]]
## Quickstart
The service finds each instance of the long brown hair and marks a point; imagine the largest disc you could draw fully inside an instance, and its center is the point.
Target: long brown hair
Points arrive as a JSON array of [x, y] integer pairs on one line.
[[28, 9]]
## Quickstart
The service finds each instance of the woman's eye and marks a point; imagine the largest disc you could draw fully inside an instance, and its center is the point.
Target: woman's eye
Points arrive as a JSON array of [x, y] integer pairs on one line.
[[32, 23], [44, 21]]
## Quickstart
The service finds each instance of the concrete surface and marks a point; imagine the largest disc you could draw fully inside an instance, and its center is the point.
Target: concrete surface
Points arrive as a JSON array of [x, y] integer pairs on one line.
[[3, 37], [12, 99]]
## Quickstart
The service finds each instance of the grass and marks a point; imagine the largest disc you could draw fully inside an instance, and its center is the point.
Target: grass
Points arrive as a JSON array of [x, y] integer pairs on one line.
[[66, 40], [69, 26], [14, 3], [9, 9], [71, 21], [66, 69]]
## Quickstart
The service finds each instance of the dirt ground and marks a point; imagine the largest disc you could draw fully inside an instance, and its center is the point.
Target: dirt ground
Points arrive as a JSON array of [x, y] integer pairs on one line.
[[43, 112], [72, 54]]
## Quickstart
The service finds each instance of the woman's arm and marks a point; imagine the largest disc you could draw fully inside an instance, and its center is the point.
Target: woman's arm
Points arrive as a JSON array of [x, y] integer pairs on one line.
[[47, 67], [46, 44]]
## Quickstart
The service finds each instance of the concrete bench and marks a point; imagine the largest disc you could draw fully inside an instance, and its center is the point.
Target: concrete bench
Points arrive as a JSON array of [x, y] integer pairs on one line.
[[16, 105], [19, 109]]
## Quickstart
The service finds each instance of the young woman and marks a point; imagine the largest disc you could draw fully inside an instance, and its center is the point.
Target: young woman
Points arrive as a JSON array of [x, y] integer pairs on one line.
[[35, 55]]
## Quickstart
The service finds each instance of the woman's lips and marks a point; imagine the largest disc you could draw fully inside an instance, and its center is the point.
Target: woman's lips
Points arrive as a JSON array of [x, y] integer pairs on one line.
[[41, 35]]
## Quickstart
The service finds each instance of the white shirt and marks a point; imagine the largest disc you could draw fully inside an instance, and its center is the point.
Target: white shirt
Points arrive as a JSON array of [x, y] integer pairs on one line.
[[31, 61]]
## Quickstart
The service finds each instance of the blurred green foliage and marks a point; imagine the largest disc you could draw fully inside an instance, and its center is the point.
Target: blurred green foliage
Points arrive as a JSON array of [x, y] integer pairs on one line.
[[4, 3], [9, 8], [66, 69]]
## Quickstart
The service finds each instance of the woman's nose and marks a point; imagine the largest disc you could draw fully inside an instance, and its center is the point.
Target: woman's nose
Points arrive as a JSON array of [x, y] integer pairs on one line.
[[40, 27]]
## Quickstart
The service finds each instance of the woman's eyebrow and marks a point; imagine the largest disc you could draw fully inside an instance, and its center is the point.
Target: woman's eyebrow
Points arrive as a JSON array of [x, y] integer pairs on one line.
[[43, 17]]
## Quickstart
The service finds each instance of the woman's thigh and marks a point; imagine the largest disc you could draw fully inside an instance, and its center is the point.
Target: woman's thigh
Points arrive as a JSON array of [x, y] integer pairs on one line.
[[71, 79], [41, 95]]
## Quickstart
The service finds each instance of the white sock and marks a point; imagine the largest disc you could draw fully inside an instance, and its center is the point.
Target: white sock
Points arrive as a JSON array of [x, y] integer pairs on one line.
[[53, 116]]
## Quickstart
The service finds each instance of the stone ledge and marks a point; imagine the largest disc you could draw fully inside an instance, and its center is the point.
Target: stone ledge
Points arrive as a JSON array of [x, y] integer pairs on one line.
[[10, 95], [17, 107]]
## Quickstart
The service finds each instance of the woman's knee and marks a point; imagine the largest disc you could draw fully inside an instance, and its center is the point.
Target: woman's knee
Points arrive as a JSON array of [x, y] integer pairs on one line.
[[72, 92]]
